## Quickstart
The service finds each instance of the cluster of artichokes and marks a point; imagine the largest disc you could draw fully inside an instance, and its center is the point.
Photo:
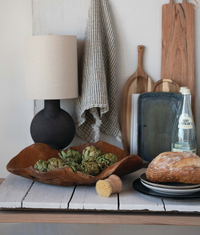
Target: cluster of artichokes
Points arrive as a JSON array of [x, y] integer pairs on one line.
[[92, 161]]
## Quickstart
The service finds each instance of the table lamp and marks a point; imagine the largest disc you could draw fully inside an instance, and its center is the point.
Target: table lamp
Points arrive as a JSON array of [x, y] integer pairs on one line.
[[51, 75]]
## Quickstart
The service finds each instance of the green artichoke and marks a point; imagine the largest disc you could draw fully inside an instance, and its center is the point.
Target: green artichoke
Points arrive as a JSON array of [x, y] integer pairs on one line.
[[64, 164], [74, 166], [89, 159], [91, 153], [106, 160], [53, 163], [111, 157], [68, 160], [103, 163], [90, 168], [78, 158], [92, 161], [70, 156], [41, 166], [63, 155]]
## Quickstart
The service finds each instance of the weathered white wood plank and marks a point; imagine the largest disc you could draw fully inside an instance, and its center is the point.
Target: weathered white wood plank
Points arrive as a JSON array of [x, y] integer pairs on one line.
[[86, 197], [130, 199], [44, 196], [182, 205], [19, 192], [13, 190]]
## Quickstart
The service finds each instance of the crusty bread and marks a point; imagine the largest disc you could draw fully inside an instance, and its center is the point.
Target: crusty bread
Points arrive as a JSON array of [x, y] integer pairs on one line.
[[174, 167]]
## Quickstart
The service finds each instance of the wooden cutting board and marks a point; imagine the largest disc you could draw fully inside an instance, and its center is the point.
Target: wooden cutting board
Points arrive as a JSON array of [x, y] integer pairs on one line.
[[178, 45], [166, 85], [139, 82]]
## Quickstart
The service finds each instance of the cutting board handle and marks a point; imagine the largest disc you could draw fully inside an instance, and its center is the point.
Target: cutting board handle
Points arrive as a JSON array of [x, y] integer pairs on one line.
[[140, 58], [171, 1]]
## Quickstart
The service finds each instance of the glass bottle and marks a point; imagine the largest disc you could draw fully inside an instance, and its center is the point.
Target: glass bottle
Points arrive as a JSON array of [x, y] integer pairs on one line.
[[184, 133]]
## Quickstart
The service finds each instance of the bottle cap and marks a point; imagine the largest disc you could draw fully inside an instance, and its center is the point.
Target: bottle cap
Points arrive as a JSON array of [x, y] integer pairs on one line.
[[186, 91], [183, 88]]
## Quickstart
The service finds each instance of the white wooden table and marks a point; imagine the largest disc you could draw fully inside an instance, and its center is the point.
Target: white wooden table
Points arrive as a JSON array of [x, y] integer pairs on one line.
[[26, 201]]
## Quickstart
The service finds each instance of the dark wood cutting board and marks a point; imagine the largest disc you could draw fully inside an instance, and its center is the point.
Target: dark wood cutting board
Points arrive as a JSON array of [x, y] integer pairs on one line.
[[178, 45], [139, 82]]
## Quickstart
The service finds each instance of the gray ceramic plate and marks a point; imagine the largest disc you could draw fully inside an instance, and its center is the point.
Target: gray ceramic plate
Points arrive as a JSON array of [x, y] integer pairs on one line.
[[137, 185], [175, 186], [172, 191], [156, 116]]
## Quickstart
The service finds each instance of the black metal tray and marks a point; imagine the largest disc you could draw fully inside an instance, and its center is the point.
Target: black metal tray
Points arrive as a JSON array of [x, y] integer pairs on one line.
[[156, 116]]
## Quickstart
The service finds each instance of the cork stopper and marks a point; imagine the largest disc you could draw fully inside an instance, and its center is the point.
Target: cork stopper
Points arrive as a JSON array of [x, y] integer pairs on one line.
[[111, 185]]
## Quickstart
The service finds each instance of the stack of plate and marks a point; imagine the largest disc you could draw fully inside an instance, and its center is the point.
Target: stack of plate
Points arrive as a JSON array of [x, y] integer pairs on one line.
[[169, 190]]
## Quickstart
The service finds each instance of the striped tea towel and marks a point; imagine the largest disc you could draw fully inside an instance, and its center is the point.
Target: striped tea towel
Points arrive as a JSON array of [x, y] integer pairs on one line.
[[96, 107]]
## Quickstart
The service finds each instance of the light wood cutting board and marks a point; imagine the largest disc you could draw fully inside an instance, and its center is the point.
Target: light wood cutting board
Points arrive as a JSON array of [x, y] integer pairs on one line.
[[178, 45], [166, 85], [138, 83]]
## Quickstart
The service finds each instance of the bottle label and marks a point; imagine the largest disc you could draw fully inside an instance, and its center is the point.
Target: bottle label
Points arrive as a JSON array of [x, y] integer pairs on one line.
[[184, 151], [185, 122]]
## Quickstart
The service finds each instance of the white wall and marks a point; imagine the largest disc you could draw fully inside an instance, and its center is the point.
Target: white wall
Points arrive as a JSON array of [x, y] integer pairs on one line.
[[16, 110], [136, 22]]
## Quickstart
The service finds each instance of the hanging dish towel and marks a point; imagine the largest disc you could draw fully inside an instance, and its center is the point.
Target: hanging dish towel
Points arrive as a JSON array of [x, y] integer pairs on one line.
[[96, 107]]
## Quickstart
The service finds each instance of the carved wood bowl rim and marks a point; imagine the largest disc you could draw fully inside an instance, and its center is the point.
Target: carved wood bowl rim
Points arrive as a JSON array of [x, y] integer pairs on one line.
[[22, 165]]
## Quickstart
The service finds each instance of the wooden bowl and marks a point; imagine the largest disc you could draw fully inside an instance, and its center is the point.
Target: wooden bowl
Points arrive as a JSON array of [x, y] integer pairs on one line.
[[23, 163]]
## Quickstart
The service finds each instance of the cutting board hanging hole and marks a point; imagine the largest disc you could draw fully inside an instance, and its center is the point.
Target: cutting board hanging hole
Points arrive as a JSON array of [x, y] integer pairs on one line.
[[140, 58]]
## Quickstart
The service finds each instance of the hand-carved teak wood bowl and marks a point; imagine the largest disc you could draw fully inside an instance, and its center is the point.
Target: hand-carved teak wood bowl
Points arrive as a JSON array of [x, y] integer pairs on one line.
[[23, 163]]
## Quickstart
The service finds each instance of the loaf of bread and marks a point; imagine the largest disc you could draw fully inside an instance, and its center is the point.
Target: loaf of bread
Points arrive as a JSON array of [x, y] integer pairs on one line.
[[174, 167]]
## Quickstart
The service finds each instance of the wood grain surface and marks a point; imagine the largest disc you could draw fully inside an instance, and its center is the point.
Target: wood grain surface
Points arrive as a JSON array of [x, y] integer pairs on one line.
[[139, 82], [178, 45], [166, 85], [83, 205], [98, 218]]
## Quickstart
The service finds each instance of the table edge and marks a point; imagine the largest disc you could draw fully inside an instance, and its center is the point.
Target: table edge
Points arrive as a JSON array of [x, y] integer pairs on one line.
[[99, 218], [70, 217]]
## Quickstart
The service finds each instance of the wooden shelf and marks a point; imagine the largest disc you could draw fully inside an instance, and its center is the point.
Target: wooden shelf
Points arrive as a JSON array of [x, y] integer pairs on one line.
[[26, 201], [98, 218]]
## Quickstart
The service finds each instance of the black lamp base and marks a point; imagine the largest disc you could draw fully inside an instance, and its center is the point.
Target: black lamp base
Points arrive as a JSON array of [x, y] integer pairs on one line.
[[53, 126]]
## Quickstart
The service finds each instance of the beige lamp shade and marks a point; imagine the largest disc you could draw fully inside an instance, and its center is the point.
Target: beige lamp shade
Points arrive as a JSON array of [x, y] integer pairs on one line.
[[51, 67]]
